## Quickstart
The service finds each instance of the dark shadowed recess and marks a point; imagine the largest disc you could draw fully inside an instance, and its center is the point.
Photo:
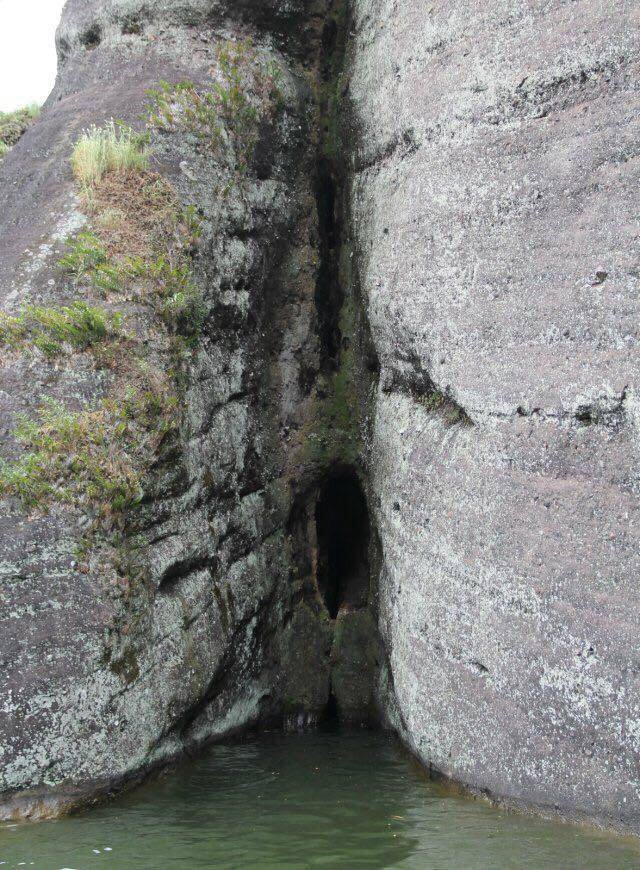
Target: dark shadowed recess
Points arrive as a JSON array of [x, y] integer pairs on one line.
[[342, 523]]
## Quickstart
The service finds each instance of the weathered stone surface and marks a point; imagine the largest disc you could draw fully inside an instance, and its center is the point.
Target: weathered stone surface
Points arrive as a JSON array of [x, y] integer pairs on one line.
[[355, 657], [494, 206], [102, 680]]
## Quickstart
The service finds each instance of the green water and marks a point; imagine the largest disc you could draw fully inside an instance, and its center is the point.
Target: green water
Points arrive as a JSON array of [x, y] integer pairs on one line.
[[347, 800]]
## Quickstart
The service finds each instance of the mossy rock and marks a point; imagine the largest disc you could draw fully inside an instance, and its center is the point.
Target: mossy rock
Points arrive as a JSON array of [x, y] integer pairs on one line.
[[355, 656]]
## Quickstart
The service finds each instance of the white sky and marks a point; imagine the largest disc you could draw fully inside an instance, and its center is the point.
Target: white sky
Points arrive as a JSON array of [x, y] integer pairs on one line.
[[27, 51]]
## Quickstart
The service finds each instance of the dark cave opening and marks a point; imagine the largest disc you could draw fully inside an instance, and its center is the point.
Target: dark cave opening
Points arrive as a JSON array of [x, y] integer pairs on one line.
[[342, 525]]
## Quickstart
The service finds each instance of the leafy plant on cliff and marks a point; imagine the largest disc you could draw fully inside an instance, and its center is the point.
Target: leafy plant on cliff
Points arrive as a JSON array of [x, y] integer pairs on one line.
[[164, 282], [95, 456], [84, 252], [79, 325], [244, 92]]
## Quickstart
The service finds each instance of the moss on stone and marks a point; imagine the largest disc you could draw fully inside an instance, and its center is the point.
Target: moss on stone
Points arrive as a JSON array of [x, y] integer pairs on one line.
[[355, 655], [333, 434], [435, 401], [304, 652], [126, 666]]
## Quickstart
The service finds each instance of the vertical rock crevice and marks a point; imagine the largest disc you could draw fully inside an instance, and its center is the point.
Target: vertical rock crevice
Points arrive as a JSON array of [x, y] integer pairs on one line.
[[342, 526], [333, 541]]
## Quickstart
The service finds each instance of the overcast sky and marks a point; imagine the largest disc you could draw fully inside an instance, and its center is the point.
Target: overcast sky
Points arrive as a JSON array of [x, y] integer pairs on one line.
[[27, 50]]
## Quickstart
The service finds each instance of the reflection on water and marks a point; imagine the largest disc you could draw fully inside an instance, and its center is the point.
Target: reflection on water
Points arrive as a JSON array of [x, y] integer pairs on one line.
[[334, 799]]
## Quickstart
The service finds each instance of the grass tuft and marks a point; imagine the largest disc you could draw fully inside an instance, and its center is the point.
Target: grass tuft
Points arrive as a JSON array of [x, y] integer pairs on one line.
[[112, 148]]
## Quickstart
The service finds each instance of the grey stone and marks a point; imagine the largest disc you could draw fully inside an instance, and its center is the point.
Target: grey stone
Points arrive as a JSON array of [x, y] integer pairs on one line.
[[509, 595]]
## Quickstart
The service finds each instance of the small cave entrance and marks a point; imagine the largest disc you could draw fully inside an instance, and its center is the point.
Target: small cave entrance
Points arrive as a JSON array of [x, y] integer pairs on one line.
[[331, 647], [342, 528]]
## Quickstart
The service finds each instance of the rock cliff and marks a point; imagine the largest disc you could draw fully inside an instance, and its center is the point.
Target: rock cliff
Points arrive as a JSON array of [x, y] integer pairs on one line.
[[492, 205], [326, 400]]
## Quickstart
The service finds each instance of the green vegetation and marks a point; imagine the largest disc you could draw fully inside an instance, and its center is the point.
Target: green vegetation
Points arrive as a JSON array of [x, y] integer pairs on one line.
[[437, 402], [112, 148], [246, 93], [97, 457], [333, 433], [85, 253], [168, 288], [79, 325], [330, 85], [13, 125], [93, 456], [433, 401]]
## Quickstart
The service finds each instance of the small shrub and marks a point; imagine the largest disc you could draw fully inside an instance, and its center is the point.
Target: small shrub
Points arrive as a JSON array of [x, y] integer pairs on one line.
[[85, 253], [14, 124], [25, 480], [112, 148], [245, 92], [78, 324], [164, 282], [87, 260], [12, 330], [186, 105], [173, 292]]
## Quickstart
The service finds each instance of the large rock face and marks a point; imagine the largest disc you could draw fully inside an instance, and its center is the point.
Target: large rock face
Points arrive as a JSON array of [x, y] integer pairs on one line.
[[411, 401], [122, 649], [494, 205]]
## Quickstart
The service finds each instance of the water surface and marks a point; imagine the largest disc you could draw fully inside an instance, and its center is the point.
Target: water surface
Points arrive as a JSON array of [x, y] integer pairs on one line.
[[323, 799]]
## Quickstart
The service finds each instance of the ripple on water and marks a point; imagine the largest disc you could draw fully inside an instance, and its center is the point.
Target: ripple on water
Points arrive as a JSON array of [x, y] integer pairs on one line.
[[339, 799]]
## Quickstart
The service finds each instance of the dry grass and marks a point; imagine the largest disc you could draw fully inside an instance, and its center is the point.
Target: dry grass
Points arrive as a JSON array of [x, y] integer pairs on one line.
[[112, 148], [134, 211]]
